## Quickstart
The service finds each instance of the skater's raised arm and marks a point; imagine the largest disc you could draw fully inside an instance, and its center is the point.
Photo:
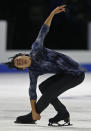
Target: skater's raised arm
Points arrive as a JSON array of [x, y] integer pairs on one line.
[[57, 10], [45, 28]]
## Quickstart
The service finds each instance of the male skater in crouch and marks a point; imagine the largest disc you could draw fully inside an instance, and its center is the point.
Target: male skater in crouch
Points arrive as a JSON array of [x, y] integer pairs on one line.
[[67, 74]]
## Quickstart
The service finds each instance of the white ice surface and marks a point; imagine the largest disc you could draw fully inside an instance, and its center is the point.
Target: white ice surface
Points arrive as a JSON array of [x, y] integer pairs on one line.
[[14, 101]]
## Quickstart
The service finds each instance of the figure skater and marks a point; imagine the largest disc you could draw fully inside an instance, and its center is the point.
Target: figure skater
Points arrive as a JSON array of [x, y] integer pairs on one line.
[[67, 74]]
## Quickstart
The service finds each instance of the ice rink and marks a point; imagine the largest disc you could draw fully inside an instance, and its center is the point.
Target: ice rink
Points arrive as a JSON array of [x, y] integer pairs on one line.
[[14, 101]]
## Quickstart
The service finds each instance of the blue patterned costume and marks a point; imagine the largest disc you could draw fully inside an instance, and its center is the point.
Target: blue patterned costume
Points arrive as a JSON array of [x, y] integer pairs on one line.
[[45, 60]]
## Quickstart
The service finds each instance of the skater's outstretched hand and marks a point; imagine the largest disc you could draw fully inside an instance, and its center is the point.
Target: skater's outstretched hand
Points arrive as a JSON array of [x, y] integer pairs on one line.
[[59, 9]]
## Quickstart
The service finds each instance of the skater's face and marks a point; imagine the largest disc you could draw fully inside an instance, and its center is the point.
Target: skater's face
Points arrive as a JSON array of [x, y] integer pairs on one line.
[[22, 62]]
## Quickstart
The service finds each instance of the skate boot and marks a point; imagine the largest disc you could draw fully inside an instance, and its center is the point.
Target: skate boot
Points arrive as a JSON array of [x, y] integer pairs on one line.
[[59, 117], [25, 119]]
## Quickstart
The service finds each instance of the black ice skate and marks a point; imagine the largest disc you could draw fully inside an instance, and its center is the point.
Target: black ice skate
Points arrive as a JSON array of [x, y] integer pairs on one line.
[[60, 117], [25, 119]]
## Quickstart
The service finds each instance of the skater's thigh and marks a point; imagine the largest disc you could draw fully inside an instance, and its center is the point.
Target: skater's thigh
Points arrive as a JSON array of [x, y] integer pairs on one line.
[[47, 84], [60, 86]]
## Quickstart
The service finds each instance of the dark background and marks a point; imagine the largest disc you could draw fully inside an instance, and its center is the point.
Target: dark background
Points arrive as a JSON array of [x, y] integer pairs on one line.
[[25, 18]]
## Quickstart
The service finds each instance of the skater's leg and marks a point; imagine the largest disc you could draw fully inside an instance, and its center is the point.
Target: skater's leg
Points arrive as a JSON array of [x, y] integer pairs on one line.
[[59, 107], [67, 82], [56, 89], [64, 115]]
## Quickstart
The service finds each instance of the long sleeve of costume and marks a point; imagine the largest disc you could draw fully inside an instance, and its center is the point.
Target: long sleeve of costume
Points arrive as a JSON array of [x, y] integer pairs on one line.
[[33, 85], [40, 38]]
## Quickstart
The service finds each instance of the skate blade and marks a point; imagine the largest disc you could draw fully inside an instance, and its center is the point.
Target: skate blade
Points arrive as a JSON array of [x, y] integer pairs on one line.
[[59, 125], [66, 124]]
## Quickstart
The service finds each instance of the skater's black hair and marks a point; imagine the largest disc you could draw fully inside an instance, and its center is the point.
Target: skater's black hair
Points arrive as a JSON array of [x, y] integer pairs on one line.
[[10, 64]]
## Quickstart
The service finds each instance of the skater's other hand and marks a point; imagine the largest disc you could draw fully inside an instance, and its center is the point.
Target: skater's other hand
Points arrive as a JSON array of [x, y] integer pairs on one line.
[[36, 116]]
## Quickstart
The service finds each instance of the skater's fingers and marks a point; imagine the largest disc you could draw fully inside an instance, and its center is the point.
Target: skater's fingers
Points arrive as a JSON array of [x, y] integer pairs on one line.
[[36, 116], [61, 10], [62, 6], [39, 117]]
